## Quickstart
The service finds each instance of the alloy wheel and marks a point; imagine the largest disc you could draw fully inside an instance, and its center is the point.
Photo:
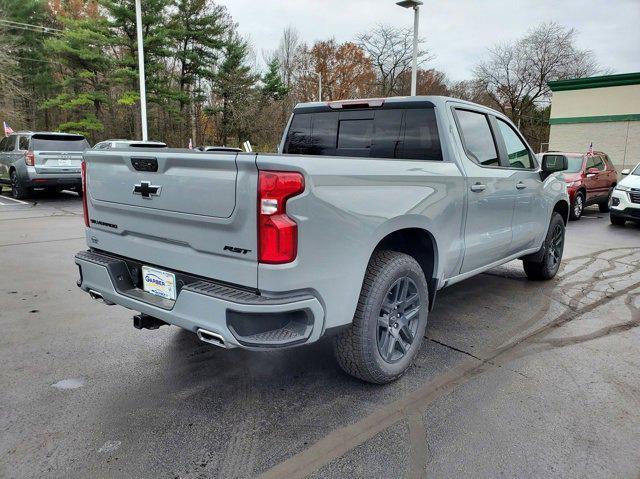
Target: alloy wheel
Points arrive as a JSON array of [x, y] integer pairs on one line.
[[578, 205], [398, 320], [15, 185], [556, 246]]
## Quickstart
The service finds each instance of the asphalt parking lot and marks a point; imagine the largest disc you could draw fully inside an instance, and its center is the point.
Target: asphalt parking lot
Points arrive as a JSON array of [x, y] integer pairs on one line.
[[515, 379]]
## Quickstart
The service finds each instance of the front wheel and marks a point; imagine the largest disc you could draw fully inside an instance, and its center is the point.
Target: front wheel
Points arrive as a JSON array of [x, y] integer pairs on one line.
[[577, 207], [617, 220], [548, 263], [389, 322]]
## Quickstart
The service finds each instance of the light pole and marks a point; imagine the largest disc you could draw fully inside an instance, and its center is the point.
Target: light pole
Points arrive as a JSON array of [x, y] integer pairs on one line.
[[143, 88], [415, 4]]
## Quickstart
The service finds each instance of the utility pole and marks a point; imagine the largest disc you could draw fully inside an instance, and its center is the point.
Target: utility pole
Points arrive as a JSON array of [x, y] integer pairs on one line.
[[143, 87]]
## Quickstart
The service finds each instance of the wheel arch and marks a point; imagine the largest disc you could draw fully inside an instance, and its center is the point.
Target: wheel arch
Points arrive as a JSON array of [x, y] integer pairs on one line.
[[421, 245], [562, 207]]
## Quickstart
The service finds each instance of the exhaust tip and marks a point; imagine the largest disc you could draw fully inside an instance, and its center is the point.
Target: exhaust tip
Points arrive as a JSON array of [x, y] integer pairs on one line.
[[98, 297], [211, 338], [95, 295]]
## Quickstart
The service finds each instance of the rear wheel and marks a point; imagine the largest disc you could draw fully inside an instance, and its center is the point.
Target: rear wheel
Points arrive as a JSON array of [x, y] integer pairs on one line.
[[389, 322], [551, 252], [577, 207], [617, 220], [18, 190]]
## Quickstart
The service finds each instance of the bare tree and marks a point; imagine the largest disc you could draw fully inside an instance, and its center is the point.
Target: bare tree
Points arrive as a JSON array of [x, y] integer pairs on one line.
[[516, 75], [287, 54], [471, 90], [390, 50]]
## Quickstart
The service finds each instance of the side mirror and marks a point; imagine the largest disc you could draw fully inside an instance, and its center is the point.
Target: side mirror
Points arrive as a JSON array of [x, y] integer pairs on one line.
[[554, 163], [625, 172]]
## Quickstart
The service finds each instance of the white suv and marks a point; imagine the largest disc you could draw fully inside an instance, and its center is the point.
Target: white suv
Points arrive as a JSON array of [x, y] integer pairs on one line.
[[625, 199]]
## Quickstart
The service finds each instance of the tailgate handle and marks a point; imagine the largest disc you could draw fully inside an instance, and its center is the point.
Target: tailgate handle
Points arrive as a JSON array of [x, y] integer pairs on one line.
[[145, 164]]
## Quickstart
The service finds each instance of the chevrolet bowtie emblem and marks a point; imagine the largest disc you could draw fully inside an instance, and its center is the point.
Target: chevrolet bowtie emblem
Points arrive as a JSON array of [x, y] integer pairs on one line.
[[146, 189]]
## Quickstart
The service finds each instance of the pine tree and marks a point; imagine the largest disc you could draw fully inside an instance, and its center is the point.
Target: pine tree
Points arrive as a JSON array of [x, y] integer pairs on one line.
[[234, 88], [32, 65], [274, 88], [83, 83], [122, 24], [197, 33]]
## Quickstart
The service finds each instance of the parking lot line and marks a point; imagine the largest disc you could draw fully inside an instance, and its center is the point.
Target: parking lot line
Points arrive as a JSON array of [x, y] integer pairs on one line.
[[2, 198]]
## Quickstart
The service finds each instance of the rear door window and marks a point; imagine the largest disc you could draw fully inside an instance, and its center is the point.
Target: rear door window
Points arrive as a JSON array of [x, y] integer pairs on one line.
[[477, 138], [59, 143], [385, 133]]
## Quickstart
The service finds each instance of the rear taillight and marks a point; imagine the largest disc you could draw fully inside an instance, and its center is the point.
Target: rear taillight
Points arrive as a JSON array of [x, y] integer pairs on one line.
[[85, 211], [29, 158], [277, 233]]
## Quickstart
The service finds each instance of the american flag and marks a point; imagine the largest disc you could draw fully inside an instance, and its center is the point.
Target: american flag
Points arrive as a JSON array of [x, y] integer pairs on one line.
[[590, 150], [7, 129]]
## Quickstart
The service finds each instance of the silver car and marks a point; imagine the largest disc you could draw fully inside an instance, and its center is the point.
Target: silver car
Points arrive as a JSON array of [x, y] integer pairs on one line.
[[42, 160]]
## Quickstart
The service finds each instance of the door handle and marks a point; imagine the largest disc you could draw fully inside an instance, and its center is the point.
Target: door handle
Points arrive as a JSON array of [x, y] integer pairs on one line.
[[520, 185], [478, 187]]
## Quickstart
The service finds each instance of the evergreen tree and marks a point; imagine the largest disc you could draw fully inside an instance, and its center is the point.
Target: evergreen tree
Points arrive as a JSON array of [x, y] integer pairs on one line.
[[84, 83], [274, 88], [122, 23], [33, 66], [197, 31], [234, 90]]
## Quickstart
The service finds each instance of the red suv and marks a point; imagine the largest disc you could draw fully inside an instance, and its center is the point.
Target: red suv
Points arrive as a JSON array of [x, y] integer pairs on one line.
[[590, 178]]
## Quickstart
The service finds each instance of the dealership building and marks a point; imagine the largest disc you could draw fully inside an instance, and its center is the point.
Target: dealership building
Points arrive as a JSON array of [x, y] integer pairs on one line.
[[603, 110]]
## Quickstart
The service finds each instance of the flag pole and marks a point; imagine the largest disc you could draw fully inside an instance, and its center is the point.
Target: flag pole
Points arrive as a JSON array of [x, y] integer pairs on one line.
[[143, 88]]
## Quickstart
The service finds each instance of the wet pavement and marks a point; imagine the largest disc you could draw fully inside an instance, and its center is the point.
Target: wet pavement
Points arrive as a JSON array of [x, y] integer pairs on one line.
[[515, 378]]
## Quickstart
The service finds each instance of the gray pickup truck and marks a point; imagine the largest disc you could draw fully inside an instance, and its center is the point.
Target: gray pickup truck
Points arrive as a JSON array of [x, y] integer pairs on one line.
[[368, 209]]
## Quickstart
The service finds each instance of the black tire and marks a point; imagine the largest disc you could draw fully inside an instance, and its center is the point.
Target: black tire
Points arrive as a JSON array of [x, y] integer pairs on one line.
[[358, 348], [604, 205], [79, 191], [18, 190], [550, 253], [577, 207], [617, 220]]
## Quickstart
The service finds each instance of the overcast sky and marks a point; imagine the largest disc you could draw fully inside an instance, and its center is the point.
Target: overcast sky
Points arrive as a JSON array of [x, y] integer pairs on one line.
[[458, 32]]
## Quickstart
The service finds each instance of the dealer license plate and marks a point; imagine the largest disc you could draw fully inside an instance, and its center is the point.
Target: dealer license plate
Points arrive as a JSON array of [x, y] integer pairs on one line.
[[158, 282]]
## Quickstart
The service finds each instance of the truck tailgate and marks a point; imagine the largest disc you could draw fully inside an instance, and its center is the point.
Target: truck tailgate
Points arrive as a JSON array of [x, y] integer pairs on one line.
[[175, 209]]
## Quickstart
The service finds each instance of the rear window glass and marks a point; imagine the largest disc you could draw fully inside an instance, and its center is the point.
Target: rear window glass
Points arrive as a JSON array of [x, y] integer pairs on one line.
[[59, 143], [386, 133]]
